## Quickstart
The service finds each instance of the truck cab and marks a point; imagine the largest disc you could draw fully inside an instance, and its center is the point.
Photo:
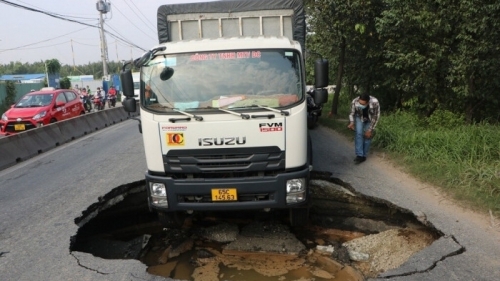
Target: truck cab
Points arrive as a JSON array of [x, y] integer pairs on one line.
[[224, 125]]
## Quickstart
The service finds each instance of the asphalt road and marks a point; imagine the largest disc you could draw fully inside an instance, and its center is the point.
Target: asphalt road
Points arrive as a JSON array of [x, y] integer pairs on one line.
[[40, 198]]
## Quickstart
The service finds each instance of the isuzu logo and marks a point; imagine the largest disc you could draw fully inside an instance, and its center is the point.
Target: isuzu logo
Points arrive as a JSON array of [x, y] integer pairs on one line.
[[222, 141]]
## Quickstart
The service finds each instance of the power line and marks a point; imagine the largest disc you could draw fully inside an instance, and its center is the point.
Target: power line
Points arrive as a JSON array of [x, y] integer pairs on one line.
[[66, 19], [45, 13], [153, 27], [50, 39], [85, 44], [134, 24], [93, 19], [41, 47]]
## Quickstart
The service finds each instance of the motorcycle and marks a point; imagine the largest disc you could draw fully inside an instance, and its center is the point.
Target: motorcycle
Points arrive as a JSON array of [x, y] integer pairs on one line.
[[87, 104], [98, 104], [111, 101], [313, 110]]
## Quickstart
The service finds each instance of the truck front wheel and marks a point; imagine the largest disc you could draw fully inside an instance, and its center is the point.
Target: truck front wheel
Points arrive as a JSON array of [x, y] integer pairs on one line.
[[172, 219]]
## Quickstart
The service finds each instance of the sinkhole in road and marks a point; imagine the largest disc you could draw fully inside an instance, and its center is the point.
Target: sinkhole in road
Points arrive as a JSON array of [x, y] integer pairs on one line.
[[349, 237]]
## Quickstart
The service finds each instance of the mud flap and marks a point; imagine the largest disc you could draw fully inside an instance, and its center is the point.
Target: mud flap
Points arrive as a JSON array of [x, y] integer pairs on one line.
[[171, 219], [299, 216]]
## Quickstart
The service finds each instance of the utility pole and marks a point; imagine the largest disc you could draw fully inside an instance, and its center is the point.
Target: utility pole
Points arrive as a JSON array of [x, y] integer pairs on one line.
[[73, 54], [103, 8]]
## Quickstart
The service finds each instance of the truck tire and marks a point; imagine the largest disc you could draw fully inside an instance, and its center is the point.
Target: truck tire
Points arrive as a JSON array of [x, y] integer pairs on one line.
[[312, 121], [309, 150], [171, 219], [299, 216]]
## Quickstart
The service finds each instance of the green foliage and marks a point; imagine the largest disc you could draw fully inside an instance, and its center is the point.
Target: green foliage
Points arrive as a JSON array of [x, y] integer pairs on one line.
[[53, 66], [418, 55], [94, 69], [444, 119], [11, 93], [441, 149], [65, 83], [10, 98]]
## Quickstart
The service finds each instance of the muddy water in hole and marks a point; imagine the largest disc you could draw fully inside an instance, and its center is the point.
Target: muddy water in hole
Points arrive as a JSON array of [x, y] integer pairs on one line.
[[210, 262]]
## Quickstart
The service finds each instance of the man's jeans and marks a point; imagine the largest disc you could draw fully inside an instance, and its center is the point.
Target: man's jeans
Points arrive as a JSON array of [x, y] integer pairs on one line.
[[362, 144]]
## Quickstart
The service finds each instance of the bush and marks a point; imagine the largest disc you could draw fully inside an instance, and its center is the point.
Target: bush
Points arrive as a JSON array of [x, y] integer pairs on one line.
[[10, 98], [445, 119]]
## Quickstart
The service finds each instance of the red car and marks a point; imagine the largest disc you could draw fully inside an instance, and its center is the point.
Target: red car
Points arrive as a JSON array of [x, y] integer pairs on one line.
[[39, 108]]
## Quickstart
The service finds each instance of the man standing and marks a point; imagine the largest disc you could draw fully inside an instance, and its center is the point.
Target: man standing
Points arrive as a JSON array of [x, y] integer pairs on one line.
[[365, 113]]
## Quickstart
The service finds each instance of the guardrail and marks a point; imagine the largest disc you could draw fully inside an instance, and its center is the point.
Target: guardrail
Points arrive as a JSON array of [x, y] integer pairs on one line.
[[25, 145]]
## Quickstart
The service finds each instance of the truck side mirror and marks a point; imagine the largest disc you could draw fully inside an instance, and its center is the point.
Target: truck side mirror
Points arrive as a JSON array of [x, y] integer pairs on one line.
[[129, 104], [127, 83], [320, 73], [166, 73], [320, 96]]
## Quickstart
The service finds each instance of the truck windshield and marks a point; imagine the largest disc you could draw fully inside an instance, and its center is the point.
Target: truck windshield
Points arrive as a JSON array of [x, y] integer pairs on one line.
[[239, 79]]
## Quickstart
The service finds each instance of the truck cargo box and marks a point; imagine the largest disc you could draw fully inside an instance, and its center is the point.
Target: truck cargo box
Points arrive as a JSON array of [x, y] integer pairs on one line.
[[210, 20]]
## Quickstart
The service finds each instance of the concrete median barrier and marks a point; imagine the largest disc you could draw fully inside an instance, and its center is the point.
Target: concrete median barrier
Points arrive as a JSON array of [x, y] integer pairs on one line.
[[116, 115], [41, 140], [12, 151], [74, 128], [97, 120], [20, 147]]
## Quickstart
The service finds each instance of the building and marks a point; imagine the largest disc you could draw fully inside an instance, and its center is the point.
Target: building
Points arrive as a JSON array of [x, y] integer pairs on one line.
[[24, 78]]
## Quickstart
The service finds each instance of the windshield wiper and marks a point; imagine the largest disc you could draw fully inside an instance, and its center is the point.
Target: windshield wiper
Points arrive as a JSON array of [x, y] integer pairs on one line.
[[246, 116], [242, 115], [282, 112], [173, 120], [196, 117]]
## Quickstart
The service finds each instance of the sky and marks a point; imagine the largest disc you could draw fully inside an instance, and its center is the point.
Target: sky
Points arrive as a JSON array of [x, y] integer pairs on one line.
[[29, 36]]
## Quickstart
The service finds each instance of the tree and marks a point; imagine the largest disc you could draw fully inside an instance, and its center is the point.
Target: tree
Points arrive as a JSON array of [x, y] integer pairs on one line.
[[345, 32], [65, 83], [475, 63], [53, 66], [10, 98]]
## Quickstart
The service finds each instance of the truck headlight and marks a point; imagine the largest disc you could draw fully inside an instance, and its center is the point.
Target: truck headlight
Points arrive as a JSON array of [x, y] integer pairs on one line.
[[295, 190], [158, 194]]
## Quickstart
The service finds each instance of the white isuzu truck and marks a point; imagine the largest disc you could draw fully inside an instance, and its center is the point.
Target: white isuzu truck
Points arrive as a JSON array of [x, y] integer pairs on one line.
[[223, 109]]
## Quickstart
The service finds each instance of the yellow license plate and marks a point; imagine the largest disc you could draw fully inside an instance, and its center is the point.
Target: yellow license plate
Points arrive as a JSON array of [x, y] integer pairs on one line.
[[19, 127], [224, 194]]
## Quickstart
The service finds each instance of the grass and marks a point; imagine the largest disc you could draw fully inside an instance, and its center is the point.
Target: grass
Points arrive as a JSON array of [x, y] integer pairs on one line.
[[462, 160]]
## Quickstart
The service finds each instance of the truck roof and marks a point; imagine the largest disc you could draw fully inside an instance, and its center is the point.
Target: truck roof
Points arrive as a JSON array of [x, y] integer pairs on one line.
[[234, 43], [231, 18]]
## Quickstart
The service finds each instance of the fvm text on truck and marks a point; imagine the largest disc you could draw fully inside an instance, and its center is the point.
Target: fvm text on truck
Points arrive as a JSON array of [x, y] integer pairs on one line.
[[223, 110]]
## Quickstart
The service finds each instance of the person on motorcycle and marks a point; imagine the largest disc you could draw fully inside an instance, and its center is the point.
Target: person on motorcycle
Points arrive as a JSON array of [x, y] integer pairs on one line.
[[101, 94], [85, 99], [111, 97]]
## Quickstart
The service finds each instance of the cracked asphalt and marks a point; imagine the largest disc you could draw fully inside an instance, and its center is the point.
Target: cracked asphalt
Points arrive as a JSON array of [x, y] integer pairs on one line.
[[40, 198], [469, 249]]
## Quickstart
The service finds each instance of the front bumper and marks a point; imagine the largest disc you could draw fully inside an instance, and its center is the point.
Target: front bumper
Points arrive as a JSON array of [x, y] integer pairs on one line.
[[252, 193], [11, 127]]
